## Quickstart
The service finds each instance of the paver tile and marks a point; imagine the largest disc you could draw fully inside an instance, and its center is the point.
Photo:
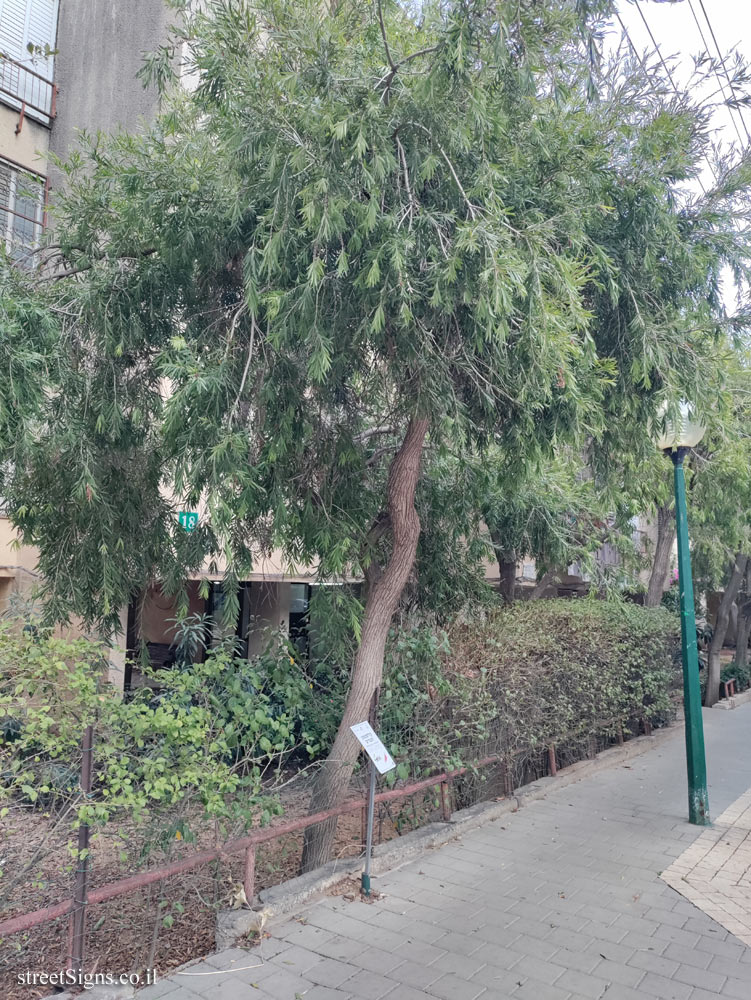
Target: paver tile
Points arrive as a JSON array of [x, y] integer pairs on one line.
[[450, 987], [664, 989]]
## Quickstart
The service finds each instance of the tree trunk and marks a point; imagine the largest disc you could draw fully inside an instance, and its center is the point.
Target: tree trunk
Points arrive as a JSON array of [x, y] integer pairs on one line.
[[506, 566], [744, 621], [508, 580], [737, 569], [663, 548], [332, 782], [543, 583], [744, 632]]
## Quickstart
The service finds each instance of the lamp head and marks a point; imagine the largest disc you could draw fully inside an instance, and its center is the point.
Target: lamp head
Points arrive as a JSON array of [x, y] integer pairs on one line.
[[675, 434]]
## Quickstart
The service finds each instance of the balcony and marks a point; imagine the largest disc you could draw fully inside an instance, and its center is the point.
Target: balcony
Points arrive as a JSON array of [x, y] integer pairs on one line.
[[28, 91]]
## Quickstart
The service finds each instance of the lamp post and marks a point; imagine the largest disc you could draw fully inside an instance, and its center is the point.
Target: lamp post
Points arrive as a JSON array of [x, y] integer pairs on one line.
[[677, 438]]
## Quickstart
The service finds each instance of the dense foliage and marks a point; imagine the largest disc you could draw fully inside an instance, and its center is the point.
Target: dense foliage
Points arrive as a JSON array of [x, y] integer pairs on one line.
[[571, 667], [513, 680], [370, 242], [205, 739]]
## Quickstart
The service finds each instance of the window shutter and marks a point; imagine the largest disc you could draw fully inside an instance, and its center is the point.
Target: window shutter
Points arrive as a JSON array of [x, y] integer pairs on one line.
[[13, 28], [41, 30], [24, 23], [28, 22]]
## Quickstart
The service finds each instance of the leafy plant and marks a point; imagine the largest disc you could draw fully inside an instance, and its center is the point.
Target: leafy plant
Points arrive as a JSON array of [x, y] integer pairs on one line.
[[740, 673], [211, 735]]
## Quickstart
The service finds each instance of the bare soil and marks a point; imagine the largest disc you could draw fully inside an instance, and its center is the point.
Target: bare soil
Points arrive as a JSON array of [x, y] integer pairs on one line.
[[127, 934]]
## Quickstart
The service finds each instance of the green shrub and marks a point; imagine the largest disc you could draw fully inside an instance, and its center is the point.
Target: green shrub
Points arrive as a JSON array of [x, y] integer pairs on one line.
[[523, 677], [559, 669], [432, 716], [208, 737], [742, 675], [514, 679]]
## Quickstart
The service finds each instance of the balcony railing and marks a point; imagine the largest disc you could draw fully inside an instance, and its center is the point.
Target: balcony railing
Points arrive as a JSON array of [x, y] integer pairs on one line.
[[28, 91]]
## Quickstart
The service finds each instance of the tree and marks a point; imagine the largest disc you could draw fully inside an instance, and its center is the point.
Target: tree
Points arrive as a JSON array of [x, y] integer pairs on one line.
[[721, 509], [363, 230], [551, 514], [744, 620], [663, 550]]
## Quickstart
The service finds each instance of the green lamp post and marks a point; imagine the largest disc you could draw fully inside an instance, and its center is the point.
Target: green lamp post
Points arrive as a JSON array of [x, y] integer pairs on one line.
[[676, 439]]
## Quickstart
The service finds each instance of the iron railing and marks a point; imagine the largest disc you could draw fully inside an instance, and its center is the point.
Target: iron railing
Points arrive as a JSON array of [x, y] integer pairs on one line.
[[28, 91], [76, 906]]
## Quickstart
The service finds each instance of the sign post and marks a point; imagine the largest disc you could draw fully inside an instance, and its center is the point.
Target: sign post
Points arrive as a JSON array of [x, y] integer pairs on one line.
[[380, 761]]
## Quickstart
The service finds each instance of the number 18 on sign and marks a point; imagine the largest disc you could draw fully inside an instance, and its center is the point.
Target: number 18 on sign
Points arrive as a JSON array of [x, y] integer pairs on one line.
[[381, 761], [188, 519]]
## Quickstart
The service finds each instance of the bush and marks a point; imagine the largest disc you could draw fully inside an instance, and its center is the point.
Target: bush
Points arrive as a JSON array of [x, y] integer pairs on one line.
[[741, 674], [208, 739], [523, 677]]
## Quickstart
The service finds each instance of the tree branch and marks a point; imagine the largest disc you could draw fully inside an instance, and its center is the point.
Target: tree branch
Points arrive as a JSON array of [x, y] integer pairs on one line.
[[391, 62]]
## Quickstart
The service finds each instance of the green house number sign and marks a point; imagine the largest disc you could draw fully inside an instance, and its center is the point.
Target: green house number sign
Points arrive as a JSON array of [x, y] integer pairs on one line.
[[188, 519]]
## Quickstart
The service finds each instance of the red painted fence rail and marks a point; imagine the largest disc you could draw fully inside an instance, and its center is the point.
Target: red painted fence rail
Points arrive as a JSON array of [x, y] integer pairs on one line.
[[76, 908], [248, 844]]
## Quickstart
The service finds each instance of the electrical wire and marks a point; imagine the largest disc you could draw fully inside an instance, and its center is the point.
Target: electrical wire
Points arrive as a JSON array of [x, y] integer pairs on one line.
[[657, 48], [666, 67], [724, 67]]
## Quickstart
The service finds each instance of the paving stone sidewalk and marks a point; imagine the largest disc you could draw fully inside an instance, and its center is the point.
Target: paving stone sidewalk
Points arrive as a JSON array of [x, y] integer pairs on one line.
[[560, 901]]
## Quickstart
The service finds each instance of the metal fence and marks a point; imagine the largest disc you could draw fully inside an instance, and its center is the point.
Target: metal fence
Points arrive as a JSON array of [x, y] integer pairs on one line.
[[514, 769], [28, 91]]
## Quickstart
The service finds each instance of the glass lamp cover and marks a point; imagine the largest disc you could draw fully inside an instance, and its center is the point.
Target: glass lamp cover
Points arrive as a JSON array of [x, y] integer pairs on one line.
[[685, 432]]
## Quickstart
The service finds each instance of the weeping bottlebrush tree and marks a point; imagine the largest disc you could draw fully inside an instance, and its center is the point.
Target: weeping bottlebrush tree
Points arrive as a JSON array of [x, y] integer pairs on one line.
[[720, 511], [359, 235]]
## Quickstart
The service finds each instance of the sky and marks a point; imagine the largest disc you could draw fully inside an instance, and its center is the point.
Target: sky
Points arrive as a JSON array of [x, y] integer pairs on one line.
[[678, 36], [679, 39]]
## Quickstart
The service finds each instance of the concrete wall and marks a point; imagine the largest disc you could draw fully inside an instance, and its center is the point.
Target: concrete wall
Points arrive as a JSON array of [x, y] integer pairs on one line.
[[18, 573], [29, 147], [101, 44]]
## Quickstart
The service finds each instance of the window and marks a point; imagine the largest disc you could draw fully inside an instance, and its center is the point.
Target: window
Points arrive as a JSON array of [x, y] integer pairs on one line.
[[26, 79], [21, 210]]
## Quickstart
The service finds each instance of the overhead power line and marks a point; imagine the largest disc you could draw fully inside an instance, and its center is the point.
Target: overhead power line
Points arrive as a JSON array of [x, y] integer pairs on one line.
[[657, 48], [724, 68], [665, 66]]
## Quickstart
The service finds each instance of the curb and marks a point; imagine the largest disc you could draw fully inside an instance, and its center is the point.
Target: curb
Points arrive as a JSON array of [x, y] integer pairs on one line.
[[737, 699], [290, 897]]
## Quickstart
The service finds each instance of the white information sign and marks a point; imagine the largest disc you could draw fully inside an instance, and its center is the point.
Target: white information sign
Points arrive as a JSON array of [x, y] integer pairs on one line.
[[373, 747]]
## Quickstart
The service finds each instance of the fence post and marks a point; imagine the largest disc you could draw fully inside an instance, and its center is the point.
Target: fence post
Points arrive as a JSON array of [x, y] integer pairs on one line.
[[249, 876], [445, 803], [507, 788], [552, 761], [80, 892]]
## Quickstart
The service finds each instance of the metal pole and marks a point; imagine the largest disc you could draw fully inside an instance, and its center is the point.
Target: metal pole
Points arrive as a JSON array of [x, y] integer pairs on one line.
[[369, 839], [249, 874], [80, 894], [698, 800]]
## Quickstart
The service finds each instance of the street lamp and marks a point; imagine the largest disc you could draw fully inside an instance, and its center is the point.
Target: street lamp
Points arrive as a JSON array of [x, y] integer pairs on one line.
[[676, 438]]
